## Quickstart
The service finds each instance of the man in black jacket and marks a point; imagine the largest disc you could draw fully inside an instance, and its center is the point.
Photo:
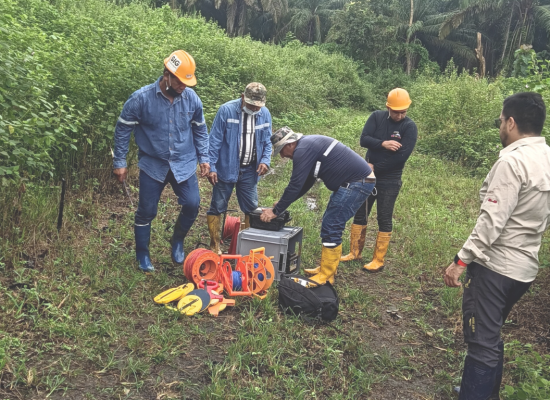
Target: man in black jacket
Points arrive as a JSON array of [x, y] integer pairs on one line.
[[343, 171], [390, 137]]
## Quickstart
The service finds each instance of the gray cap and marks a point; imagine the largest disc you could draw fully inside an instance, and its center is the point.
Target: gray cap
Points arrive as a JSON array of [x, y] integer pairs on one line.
[[254, 94], [282, 137]]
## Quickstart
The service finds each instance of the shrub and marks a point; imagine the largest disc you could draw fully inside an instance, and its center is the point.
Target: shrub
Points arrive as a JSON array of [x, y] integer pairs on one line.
[[531, 372], [455, 115], [68, 67]]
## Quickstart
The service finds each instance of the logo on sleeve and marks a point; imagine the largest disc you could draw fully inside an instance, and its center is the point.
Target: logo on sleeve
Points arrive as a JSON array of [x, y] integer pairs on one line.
[[396, 135], [492, 201]]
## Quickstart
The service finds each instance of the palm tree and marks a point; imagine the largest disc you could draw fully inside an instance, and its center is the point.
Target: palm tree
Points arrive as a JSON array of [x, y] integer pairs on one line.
[[510, 23], [237, 12], [311, 18], [419, 22]]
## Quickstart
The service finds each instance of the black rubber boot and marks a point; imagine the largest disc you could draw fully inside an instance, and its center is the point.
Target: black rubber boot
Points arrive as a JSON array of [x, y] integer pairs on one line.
[[498, 377], [478, 381]]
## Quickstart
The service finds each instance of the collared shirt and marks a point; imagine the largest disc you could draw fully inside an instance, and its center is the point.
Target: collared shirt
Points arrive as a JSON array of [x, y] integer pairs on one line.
[[169, 136], [226, 136], [247, 153], [515, 211]]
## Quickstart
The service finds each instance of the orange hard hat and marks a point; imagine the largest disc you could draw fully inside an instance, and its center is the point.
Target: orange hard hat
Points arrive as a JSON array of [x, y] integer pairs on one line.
[[182, 65], [398, 99]]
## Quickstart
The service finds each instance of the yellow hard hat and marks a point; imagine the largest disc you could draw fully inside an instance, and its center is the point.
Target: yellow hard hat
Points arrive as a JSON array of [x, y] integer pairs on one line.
[[182, 65], [398, 99]]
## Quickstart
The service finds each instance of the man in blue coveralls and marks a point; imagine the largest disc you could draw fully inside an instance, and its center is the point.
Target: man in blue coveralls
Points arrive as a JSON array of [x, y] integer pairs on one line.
[[170, 131], [240, 152]]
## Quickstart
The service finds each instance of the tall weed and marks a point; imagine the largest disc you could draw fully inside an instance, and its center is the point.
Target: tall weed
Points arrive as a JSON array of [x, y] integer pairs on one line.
[[67, 68], [455, 115]]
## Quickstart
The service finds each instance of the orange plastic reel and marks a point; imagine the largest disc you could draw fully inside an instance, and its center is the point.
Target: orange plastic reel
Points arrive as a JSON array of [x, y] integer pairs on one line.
[[226, 274], [202, 265], [266, 268]]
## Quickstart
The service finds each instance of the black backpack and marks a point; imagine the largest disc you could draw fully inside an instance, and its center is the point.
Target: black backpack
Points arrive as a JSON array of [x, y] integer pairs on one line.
[[319, 302]]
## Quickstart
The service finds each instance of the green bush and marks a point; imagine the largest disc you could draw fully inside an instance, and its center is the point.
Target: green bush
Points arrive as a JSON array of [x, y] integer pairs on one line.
[[531, 371], [67, 67], [33, 125], [455, 117]]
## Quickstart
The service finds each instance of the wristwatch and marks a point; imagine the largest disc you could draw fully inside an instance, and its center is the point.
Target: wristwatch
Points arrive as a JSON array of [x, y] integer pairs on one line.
[[460, 262]]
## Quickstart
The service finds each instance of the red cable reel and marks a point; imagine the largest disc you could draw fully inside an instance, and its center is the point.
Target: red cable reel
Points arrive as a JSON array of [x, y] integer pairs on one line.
[[201, 264]]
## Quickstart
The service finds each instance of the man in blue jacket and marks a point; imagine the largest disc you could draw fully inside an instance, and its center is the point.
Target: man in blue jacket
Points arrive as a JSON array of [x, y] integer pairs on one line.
[[240, 152], [169, 128]]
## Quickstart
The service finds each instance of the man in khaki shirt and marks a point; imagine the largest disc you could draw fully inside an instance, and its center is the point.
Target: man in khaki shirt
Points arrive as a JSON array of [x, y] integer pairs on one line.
[[501, 255]]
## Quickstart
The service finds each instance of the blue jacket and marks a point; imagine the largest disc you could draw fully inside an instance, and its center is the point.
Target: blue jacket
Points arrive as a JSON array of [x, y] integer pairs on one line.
[[168, 135], [225, 140]]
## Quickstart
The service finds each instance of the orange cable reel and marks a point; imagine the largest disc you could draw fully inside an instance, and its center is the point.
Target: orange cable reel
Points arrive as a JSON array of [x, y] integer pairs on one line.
[[261, 272], [226, 274], [201, 264]]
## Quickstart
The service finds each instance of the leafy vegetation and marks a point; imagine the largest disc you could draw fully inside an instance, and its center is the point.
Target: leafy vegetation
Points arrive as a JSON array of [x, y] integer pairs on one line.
[[76, 315], [68, 67], [396, 34], [531, 370], [455, 115]]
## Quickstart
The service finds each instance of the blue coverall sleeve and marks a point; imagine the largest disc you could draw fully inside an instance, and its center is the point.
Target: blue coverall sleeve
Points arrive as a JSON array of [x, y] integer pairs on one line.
[[129, 118], [266, 155], [200, 133], [216, 138]]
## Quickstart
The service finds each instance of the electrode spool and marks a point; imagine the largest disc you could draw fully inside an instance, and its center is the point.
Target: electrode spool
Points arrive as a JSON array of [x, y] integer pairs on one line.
[[263, 275], [201, 264], [231, 230]]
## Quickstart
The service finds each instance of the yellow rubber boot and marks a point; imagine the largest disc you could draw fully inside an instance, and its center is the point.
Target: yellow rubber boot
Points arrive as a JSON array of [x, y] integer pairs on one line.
[[246, 221], [314, 271], [330, 258], [380, 250], [214, 227], [356, 242]]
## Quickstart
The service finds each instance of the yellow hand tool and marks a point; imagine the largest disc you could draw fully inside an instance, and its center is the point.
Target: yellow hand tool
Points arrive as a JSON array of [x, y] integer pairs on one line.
[[190, 305], [174, 294]]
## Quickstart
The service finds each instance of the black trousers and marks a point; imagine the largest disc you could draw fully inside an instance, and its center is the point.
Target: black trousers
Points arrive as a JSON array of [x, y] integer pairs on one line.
[[487, 301], [385, 194]]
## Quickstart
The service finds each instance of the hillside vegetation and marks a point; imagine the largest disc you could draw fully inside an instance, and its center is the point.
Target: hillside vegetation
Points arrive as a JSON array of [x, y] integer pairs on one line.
[[77, 319], [67, 67]]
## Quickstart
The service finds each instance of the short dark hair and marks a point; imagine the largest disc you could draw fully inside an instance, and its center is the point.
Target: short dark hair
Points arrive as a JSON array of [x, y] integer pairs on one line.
[[527, 109]]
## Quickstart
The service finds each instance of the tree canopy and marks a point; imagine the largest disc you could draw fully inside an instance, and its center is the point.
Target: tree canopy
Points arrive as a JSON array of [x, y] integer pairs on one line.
[[479, 35]]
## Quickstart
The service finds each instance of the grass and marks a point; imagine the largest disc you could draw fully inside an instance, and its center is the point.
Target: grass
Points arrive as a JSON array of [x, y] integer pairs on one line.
[[78, 321]]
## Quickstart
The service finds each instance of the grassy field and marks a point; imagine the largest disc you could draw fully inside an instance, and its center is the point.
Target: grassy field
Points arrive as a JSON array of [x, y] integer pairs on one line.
[[78, 321]]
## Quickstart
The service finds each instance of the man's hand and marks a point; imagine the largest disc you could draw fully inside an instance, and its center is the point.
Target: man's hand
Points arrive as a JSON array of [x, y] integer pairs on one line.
[[262, 169], [371, 166], [391, 145], [213, 178], [452, 273], [267, 215], [205, 169], [121, 174]]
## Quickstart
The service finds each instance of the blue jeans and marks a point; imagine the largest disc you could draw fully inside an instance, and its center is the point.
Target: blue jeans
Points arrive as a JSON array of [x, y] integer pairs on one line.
[[343, 205], [246, 188], [149, 196]]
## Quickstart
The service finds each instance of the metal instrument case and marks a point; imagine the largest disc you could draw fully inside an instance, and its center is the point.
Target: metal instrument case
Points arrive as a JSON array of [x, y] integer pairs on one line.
[[285, 246]]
